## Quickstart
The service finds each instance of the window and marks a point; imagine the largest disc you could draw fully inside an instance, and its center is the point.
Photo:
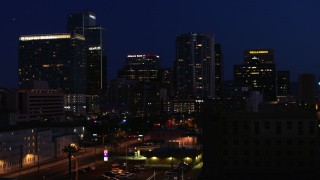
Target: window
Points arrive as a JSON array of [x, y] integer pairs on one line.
[[278, 128], [311, 128], [267, 142], [257, 163], [278, 153], [246, 142], [301, 142], [267, 125], [235, 142], [245, 125], [257, 142], [236, 163], [225, 142], [289, 124], [300, 128], [235, 128], [257, 152], [246, 152], [256, 128]]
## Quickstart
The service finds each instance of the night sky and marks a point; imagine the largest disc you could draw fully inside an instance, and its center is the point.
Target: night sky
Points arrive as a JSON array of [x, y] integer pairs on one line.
[[290, 27]]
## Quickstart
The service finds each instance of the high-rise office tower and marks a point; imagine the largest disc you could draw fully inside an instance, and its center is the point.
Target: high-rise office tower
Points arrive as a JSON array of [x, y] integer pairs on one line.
[[307, 90], [218, 70], [258, 72], [194, 66], [85, 23], [140, 77], [77, 22], [258, 56], [141, 67], [97, 69], [283, 83], [59, 59]]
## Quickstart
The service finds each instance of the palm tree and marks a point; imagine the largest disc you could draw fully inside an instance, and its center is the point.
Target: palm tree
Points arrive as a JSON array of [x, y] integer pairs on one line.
[[71, 150]]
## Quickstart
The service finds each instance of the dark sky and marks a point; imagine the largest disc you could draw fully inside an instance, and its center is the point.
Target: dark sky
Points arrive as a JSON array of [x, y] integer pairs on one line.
[[290, 27]]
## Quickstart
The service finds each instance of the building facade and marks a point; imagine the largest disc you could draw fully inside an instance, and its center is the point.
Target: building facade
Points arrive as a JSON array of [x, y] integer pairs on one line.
[[84, 23], [261, 145], [307, 90], [258, 72], [78, 21], [194, 66], [25, 147], [141, 67], [59, 59], [283, 83], [42, 105], [218, 70], [8, 107]]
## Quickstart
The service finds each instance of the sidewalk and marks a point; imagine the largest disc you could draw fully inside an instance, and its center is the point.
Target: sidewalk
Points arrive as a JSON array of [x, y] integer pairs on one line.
[[42, 165]]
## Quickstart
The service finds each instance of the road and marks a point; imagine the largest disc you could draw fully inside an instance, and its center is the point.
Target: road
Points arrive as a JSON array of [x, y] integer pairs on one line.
[[59, 167]]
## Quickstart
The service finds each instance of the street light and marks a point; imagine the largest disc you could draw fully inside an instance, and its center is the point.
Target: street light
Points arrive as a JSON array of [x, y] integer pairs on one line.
[[103, 140]]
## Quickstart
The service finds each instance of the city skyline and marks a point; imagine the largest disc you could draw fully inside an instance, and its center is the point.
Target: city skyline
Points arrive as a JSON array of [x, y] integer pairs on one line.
[[151, 27]]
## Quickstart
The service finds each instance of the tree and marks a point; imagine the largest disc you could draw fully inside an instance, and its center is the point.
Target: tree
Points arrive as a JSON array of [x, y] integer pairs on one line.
[[71, 150]]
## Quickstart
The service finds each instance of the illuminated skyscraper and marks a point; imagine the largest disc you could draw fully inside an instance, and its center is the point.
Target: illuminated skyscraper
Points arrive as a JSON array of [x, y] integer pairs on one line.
[[218, 70], [258, 72], [194, 66], [140, 86], [283, 83], [307, 90], [97, 69], [85, 23], [59, 59], [141, 67], [77, 22], [258, 56]]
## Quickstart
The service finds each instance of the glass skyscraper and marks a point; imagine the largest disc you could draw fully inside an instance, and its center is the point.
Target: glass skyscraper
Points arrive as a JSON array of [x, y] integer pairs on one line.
[[258, 72], [85, 23], [194, 66], [59, 59]]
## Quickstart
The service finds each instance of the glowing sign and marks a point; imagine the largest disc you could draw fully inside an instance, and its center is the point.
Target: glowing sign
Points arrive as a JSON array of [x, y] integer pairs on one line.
[[258, 52], [43, 37], [92, 16], [138, 55], [94, 48], [105, 155]]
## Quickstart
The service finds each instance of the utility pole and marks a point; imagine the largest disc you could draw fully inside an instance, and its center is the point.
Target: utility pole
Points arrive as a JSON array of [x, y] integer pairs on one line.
[[20, 159], [37, 150], [95, 155], [76, 163], [126, 157], [182, 173], [103, 140]]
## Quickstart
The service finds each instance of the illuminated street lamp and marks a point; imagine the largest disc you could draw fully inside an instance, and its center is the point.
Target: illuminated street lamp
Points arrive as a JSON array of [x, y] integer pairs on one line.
[[103, 140]]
